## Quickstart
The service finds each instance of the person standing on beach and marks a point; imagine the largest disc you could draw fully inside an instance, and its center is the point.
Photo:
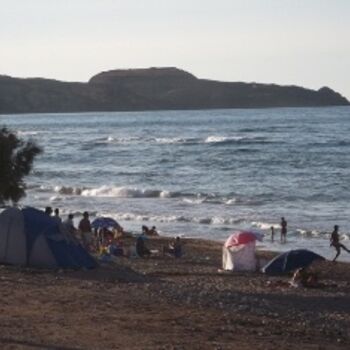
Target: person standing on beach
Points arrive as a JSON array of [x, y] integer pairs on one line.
[[57, 215], [69, 224], [48, 211], [283, 230], [85, 229], [335, 242], [272, 233]]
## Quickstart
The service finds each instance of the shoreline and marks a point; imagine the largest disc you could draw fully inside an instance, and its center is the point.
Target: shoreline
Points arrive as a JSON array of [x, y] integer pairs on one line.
[[166, 303], [53, 114]]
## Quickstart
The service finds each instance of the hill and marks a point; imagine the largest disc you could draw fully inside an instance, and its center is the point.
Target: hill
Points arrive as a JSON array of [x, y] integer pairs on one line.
[[152, 89]]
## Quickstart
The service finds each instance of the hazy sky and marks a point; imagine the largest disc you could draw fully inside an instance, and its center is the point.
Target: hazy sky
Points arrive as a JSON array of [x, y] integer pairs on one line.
[[301, 42]]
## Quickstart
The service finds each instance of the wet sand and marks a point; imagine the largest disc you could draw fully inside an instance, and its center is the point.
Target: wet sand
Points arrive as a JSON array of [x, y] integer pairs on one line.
[[166, 303]]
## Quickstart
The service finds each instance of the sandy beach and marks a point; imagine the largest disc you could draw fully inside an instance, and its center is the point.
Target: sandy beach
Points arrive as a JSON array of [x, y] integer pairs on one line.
[[166, 303]]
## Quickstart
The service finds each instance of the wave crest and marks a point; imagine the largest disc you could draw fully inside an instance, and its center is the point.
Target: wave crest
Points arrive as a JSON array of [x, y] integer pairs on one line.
[[125, 192], [27, 133], [68, 190]]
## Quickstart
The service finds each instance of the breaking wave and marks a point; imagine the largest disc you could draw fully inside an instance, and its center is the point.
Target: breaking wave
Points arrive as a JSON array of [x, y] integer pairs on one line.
[[27, 133], [227, 140], [215, 220], [211, 139], [68, 190], [265, 225], [124, 192], [111, 191], [187, 198]]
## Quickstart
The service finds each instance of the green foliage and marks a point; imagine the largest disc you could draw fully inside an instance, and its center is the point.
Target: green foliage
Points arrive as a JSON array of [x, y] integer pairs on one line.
[[16, 160]]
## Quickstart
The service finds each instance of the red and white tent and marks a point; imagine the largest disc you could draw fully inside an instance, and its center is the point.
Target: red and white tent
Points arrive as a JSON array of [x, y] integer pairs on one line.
[[239, 251]]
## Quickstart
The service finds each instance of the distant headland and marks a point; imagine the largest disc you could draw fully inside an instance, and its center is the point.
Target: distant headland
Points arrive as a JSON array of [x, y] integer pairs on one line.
[[152, 89]]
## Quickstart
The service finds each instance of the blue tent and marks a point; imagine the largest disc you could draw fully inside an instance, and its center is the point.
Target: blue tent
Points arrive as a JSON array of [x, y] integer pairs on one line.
[[104, 222], [290, 261], [29, 237]]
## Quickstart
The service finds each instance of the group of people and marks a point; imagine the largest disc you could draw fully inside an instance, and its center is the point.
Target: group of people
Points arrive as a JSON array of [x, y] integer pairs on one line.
[[90, 239], [173, 249], [106, 241], [283, 231], [93, 240], [149, 231], [334, 238]]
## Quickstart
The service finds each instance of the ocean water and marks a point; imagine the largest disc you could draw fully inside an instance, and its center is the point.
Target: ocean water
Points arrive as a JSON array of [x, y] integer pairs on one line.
[[198, 173]]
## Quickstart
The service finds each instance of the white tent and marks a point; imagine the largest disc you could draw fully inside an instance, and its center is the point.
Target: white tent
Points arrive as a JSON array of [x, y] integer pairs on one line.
[[239, 252]]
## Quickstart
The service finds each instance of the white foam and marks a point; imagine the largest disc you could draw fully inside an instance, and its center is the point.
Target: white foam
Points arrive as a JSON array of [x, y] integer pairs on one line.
[[264, 225], [170, 140], [218, 139], [124, 192], [194, 200], [67, 190], [214, 139], [55, 199], [231, 201], [218, 221], [173, 219], [206, 221], [43, 188], [27, 133], [309, 233], [117, 140], [165, 194]]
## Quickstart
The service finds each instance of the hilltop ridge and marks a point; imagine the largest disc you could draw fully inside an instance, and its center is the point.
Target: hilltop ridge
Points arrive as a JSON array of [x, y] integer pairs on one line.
[[152, 89]]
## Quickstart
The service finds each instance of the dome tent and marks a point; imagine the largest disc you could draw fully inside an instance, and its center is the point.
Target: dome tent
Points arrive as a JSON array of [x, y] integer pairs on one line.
[[239, 251], [29, 237], [290, 261]]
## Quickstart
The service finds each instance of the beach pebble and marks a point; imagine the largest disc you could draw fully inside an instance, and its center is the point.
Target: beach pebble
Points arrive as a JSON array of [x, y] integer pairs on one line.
[[243, 307]]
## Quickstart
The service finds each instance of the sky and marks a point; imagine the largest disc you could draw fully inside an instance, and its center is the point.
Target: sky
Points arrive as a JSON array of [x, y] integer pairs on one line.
[[288, 42]]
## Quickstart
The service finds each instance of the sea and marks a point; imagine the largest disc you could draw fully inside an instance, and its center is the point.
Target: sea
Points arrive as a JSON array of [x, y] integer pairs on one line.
[[199, 174]]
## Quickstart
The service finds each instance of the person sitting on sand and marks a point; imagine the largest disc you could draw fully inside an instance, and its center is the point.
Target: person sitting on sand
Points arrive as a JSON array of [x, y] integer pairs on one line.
[[105, 236], [153, 231], [118, 231], [145, 230], [141, 248], [335, 242], [116, 247], [175, 248], [303, 278]]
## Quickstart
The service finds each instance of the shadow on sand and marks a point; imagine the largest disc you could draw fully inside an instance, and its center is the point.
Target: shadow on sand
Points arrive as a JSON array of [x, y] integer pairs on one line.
[[29, 344]]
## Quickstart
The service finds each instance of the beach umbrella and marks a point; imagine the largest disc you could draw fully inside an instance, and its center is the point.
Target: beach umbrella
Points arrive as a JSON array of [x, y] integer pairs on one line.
[[104, 222], [243, 237], [291, 260]]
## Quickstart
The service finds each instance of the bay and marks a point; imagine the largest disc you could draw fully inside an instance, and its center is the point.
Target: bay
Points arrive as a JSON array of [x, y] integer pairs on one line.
[[198, 173]]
